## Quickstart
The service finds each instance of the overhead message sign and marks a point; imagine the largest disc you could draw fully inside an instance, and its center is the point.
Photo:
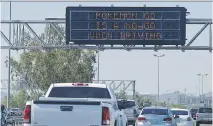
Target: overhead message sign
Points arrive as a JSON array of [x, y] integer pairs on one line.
[[126, 25]]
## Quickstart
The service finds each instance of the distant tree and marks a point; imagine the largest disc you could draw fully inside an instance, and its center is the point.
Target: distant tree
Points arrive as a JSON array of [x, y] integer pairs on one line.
[[147, 102], [178, 106], [163, 104], [43, 67], [121, 95], [18, 99], [140, 100]]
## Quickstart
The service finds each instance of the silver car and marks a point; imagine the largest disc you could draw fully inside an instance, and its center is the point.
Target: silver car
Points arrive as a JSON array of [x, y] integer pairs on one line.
[[155, 116], [131, 110], [9, 118], [184, 116], [16, 112], [6, 118]]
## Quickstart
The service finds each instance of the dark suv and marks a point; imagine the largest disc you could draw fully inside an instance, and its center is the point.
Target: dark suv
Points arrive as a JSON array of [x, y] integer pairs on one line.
[[131, 110], [193, 113]]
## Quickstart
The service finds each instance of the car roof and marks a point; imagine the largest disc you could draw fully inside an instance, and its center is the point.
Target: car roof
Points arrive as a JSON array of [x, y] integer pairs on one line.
[[15, 108], [193, 108], [125, 100], [179, 109], [70, 85], [204, 107], [155, 107]]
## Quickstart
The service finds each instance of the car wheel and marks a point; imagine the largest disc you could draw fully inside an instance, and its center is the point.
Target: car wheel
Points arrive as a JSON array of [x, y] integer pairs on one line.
[[13, 123], [197, 124], [133, 123], [115, 123]]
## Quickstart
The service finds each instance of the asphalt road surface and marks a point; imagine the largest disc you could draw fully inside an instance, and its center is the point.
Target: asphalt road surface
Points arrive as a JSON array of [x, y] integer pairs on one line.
[[129, 125], [19, 121]]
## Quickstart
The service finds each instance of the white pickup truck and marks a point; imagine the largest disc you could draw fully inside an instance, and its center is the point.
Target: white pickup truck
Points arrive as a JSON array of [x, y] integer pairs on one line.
[[75, 104], [204, 116]]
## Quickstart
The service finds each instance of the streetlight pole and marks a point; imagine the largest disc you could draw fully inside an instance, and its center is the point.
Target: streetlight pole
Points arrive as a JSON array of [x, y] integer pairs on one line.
[[199, 85], [9, 57], [158, 57], [202, 85], [98, 65]]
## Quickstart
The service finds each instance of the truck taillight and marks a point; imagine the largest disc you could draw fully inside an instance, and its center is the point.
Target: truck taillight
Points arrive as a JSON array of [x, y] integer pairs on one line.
[[105, 116], [27, 114]]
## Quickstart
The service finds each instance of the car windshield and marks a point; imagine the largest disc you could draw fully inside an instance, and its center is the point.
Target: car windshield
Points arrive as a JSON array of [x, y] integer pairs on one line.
[[205, 110], [79, 92], [179, 112], [194, 110], [15, 109], [126, 104], [155, 111]]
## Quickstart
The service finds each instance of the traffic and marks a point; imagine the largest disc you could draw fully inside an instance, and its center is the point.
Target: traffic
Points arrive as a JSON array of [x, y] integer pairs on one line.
[[88, 104], [54, 75]]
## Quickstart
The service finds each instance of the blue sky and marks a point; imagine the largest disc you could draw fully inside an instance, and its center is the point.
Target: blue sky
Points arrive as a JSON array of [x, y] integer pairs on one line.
[[178, 70]]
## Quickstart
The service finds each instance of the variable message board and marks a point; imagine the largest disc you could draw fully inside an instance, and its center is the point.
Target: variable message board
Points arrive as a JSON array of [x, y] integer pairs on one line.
[[126, 25]]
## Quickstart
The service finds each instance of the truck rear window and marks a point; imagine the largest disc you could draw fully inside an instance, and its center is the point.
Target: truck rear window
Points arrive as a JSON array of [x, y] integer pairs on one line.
[[79, 92], [127, 104], [205, 110], [194, 110]]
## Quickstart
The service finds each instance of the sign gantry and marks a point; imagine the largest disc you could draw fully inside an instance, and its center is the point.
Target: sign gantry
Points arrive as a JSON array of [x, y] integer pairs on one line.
[[118, 28]]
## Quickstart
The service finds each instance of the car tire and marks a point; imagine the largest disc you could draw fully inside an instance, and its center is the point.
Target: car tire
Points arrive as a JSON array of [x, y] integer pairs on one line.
[[133, 123], [13, 124], [197, 124], [115, 124]]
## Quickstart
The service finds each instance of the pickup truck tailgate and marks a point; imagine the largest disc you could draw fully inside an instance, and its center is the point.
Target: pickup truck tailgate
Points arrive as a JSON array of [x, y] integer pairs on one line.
[[205, 115], [67, 113]]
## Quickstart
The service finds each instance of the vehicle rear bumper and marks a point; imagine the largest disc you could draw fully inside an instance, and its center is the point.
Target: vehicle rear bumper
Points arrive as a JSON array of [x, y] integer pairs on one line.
[[131, 122], [146, 124], [154, 125], [46, 125], [187, 123], [27, 124], [208, 121]]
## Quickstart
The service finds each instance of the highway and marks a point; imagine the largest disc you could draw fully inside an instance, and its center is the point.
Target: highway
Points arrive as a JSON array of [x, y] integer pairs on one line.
[[19, 121], [129, 125]]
